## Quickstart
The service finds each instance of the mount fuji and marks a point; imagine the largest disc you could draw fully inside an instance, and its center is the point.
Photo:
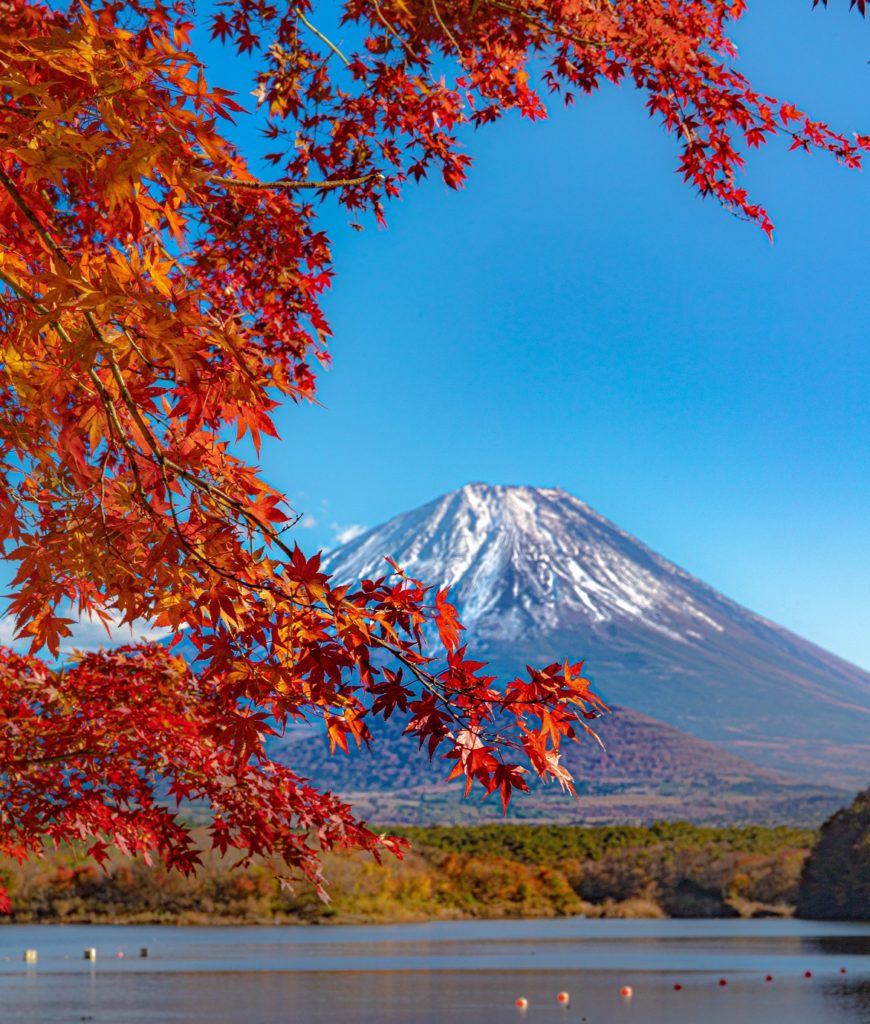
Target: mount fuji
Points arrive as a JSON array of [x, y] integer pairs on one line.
[[538, 575]]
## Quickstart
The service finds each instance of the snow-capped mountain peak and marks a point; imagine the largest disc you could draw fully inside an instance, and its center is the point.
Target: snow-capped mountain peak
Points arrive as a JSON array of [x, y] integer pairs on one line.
[[526, 557]]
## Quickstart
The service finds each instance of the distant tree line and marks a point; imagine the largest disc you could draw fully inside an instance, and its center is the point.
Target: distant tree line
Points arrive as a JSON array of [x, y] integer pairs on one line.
[[673, 869]]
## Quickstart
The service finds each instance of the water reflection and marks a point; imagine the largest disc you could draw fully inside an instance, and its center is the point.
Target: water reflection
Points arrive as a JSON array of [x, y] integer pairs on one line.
[[852, 998], [857, 944]]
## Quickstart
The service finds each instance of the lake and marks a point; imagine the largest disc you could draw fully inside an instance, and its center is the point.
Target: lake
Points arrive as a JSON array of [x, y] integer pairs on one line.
[[468, 971]]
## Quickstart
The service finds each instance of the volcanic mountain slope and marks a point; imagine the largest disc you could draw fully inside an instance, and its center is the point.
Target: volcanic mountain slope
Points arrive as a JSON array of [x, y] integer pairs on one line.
[[539, 575], [648, 771]]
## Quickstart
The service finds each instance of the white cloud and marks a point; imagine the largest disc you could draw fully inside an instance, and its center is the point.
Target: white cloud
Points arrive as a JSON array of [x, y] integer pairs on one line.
[[88, 635], [343, 534], [307, 522], [7, 632]]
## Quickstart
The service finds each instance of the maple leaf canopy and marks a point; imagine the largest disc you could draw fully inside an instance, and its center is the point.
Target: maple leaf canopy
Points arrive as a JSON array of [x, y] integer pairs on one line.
[[159, 301]]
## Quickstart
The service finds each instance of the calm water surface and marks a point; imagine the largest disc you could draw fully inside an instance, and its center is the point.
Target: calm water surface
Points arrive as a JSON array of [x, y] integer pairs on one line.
[[441, 972]]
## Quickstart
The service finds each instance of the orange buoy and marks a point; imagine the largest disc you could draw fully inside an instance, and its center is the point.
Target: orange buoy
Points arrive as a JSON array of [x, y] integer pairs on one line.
[[842, 970], [769, 977], [722, 981], [120, 954], [808, 974], [626, 992], [563, 998], [522, 1003], [678, 987]]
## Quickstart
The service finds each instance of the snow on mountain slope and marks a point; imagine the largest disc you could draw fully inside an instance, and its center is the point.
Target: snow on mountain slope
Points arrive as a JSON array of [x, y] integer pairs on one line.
[[539, 575], [536, 555]]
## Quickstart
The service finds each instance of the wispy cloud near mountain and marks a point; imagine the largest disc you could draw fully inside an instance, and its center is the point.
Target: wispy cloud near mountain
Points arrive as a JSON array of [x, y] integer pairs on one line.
[[87, 635]]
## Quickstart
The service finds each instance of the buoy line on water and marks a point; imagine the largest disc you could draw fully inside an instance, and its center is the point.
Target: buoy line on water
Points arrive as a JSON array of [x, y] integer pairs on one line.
[[563, 998]]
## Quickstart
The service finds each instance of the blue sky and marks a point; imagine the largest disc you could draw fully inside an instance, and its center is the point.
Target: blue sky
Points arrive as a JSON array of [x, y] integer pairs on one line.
[[577, 317]]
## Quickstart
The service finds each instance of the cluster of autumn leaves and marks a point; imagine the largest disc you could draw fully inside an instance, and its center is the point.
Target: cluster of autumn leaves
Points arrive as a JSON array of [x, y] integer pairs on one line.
[[158, 301]]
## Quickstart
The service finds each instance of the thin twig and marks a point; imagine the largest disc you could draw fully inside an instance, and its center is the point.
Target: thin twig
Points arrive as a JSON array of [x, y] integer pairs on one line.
[[322, 37], [402, 42], [59, 758], [447, 31]]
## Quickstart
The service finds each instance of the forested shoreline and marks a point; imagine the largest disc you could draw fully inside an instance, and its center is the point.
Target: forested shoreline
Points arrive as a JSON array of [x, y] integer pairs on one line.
[[495, 871]]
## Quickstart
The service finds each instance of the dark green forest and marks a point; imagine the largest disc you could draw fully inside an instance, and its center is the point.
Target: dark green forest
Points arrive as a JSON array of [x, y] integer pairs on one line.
[[836, 878]]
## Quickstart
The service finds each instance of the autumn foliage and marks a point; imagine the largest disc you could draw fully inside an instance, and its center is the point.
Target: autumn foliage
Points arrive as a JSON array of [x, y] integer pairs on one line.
[[158, 301], [492, 871]]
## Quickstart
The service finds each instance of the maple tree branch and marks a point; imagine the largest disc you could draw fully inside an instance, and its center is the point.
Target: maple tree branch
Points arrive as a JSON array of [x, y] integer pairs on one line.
[[21, 292], [59, 758], [202, 485], [205, 486], [162, 463], [112, 417], [691, 136], [291, 185], [550, 30], [37, 305], [129, 402], [322, 37], [102, 501], [426, 679], [145, 360], [126, 397], [22, 205], [20, 110], [115, 427], [403, 43], [446, 30], [112, 413], [162, 460]]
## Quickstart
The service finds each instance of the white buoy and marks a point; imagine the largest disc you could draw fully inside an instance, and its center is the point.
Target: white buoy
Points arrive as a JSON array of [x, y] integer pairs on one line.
[[626, 991], [90, 953], [521, 1003], [30, 956]]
